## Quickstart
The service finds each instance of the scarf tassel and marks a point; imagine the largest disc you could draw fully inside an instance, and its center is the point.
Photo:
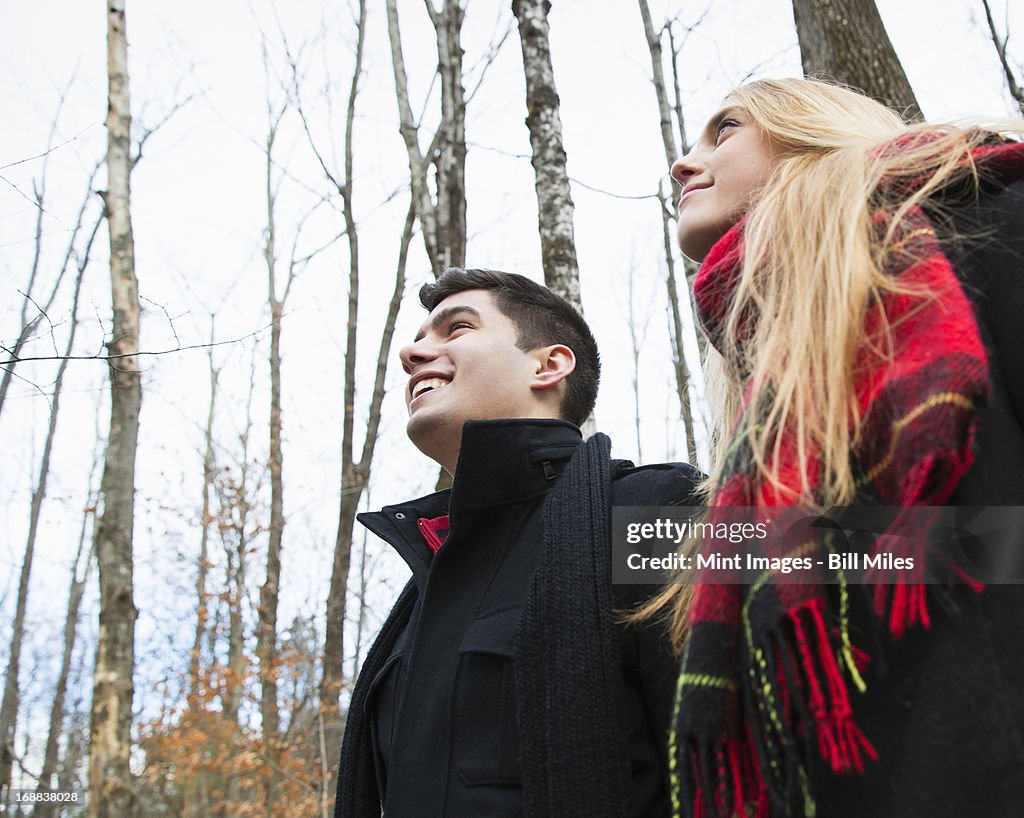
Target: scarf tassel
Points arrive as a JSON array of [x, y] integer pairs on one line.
[[727, 781], [727, 775], [840, 741]]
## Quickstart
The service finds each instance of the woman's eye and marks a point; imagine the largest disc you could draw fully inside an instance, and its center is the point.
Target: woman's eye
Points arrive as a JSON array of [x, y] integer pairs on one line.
[[723, 126]]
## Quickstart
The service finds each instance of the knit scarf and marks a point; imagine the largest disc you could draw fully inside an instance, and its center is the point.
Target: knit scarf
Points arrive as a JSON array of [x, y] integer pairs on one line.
[[573, 749], [764, 684]]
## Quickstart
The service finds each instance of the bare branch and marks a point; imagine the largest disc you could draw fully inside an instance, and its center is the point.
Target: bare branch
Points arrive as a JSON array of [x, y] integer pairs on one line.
[[167, 315], [654, 46], [28, 326], [146, 133], [488, 59], [113, 357], [49, 150], [293, 67], [614, 195], [425, 210], [1011, 81]]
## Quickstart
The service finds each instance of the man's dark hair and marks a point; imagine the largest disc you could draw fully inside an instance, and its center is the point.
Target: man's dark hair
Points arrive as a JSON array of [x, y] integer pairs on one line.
[[541, 318]]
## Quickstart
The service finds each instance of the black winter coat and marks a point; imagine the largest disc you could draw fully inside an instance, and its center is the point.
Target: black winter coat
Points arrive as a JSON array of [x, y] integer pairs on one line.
[[442, 722], [944, 707]]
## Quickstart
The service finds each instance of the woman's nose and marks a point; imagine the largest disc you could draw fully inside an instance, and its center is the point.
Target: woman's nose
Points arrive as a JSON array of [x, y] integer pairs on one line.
[[686, 166]]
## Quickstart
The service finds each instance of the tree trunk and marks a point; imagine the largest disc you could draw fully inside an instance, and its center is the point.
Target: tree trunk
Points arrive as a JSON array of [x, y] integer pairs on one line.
[[355, 477], [236, 547], [442, 220], [235, 553], [554, 200], [202, 608], [266, 633], [79, 577], [653, 37], [196, 795], [426, 211], [111, 790], [682, 371], [266, 636], [352, 479], [846, 41], [451, 150], [361, 599], [68, 773], [672, 151]]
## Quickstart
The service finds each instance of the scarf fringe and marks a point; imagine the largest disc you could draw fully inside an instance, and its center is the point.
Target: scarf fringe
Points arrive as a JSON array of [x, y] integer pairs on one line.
[[727, 782], [727, 773], [840, 741]]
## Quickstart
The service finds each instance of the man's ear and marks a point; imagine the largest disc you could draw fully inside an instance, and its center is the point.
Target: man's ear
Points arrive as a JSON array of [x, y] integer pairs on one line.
[[554, 364]]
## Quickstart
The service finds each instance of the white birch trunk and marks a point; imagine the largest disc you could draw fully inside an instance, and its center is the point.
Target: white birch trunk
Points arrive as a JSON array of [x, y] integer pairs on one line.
[[111, 790]]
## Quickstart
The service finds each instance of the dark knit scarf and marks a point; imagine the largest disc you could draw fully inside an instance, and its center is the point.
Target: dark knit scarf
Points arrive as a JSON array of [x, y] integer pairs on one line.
[[764, 682], [573, 749]]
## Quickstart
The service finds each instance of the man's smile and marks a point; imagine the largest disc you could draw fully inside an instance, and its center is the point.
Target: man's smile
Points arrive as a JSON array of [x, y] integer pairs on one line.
[[426, 385]]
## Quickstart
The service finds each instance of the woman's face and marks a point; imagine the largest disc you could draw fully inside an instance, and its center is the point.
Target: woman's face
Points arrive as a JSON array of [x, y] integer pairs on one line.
[[726, 167]]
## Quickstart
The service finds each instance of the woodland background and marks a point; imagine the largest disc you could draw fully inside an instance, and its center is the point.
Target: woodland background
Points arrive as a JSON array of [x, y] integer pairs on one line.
[[212, 231]]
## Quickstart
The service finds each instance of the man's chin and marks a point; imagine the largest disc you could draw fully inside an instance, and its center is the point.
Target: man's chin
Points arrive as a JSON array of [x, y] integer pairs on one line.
[[432, 434]]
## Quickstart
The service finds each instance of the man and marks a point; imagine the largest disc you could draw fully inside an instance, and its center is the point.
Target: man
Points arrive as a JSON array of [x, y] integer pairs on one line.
[[500, 684]]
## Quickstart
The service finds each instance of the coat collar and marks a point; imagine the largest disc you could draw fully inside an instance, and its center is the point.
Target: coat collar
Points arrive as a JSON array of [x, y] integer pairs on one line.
[[501, 462]]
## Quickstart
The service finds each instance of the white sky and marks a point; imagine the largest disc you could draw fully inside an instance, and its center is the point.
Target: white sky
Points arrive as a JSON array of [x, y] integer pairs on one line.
[[199, 213]]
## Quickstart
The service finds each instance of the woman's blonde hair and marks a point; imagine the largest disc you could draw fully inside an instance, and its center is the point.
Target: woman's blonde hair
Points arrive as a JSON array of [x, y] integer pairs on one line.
[[812, 266]]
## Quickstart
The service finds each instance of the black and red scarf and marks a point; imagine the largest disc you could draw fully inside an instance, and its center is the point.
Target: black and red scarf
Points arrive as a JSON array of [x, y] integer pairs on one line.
[[767, 669]]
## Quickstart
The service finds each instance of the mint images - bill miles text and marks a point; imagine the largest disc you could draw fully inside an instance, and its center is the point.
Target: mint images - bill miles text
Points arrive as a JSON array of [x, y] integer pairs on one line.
[[785, 565]]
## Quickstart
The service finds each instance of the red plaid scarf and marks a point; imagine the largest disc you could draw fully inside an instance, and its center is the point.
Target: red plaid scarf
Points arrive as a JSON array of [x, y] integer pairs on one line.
[[764, 680]]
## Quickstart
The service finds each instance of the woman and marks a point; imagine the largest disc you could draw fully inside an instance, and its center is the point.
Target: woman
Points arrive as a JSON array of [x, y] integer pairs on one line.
[[861, 285]]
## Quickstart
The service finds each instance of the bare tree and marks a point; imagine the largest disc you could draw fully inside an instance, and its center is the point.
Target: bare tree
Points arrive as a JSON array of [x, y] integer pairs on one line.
[[355, 478], [666, 112], [197, 797], [79, 576], [355, 473], [206, 518], [637, 325], [266, 633], [442, 220], [450, 159], [846, 40], [361, 598], [28, 325], [1001, 43], [111, 792], [11, 696], [676, 332], [554, 198], [235, 506], [653, 37], [235, 503]]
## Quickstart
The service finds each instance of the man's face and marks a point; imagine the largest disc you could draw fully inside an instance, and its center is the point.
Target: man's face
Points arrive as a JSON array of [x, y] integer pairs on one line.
[[465, 365]]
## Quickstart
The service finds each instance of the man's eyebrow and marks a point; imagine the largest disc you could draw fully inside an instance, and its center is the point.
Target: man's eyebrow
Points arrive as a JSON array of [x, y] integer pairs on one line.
[[444, 316]]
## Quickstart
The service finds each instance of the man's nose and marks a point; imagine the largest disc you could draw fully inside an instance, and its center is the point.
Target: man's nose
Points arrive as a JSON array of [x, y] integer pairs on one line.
[[418, 352]]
